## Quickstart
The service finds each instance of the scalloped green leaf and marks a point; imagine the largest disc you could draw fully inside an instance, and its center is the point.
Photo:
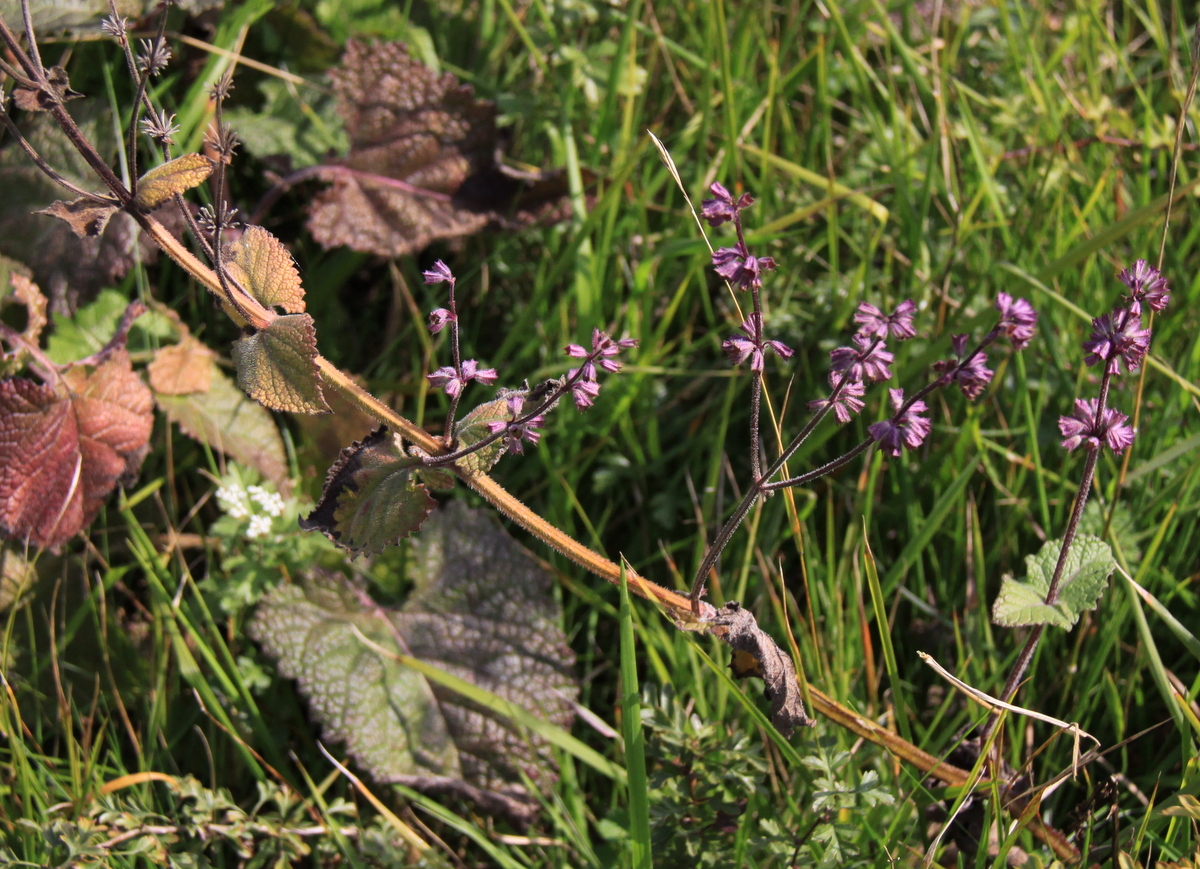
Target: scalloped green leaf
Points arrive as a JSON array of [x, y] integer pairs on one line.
[[1085, 576], [483, 610], [175, 176], [276, 366], [473, 428], [371, 498]]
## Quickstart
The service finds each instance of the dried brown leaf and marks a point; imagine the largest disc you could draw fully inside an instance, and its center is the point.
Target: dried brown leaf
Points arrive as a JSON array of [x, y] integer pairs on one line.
[[756, 654], [175, 176], [39, 99], [86, 217], [27, 293], [182, 368], [63, 452], [423, 160]]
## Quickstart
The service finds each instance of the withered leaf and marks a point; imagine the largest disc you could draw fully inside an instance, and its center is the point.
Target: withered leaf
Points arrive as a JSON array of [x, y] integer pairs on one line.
[[276, 366], [61, 454], [179, 369], [756, 654], [223, 417], [175, 176], [483, 611], [86, 217], [371, 498], [40, 99], [27, 293], [423, 161], [263, 266]]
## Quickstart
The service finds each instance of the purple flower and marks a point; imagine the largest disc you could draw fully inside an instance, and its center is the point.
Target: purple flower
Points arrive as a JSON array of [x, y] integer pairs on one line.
[[873, 323], [1116, 337], [453, 382], [723, 208], [438, 318], [869, 362], [847, 403], [907, 429], [584, 392], [518, 432], [972, 376], [736, 265], [738, 348], [1146, 284], [1083, 429], [439, 273], [1017, 319]]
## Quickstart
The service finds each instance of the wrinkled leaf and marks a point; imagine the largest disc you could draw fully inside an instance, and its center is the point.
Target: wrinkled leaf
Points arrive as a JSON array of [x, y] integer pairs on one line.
[[473, 428], [277, 367], [86, 217], [175, 176], [265, 269], [482, 610], [61, 454], [182, 368], [423, 160], [306, 132], [1085, 575], [228, 421], [371, 498]]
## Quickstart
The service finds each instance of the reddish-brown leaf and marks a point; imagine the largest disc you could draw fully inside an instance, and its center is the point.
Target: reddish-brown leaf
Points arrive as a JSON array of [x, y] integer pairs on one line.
[[423, 160], [86, 217], [62, 453]]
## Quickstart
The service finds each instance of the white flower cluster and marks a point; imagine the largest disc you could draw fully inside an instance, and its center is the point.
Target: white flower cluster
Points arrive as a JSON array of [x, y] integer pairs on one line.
[[239, 503]]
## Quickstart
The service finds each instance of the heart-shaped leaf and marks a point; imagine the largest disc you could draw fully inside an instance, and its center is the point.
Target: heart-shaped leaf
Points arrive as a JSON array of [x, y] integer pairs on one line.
[[263, 266], [482, 610], [1085, 575]]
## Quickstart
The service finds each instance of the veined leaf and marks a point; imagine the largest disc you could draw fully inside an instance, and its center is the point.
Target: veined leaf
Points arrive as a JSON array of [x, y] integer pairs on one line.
[[263, 266], [473, 428], [1085, 574], [482, 610], [276, 366], [175, 176], [371, 498]]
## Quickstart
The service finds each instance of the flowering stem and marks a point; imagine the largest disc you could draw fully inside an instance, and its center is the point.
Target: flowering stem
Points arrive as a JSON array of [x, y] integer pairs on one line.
[[448, 436], [1035, 635]]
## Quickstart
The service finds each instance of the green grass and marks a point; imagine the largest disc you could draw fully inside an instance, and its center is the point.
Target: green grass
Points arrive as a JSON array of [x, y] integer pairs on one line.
[[1022, 148]]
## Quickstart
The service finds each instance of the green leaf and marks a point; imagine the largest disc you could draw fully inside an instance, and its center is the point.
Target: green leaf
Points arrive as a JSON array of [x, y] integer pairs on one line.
[[1085, 575], [89, 330], [483, 611], [175, 176], [276, 366], [371, 498], [225, 419], [473, 428]]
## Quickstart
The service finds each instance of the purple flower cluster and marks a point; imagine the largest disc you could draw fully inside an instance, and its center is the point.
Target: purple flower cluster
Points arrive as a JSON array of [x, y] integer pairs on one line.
[[453, 380], [753, 347], [1117, 340], [583, 384], [735, 264], [868, 361], [519, 430]]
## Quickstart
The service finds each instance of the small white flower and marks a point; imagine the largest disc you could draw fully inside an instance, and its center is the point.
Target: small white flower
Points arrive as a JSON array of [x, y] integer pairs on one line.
[[233, 501], [260, 526], [271, 502]]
